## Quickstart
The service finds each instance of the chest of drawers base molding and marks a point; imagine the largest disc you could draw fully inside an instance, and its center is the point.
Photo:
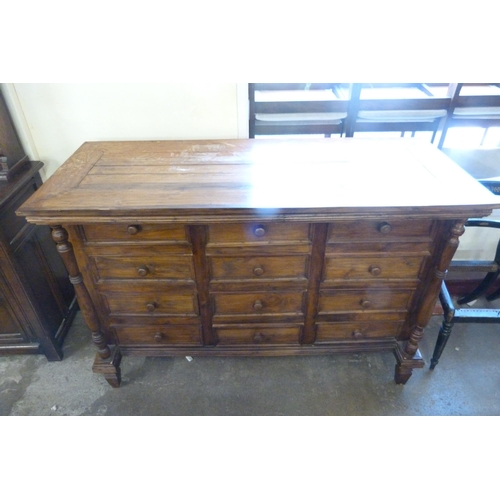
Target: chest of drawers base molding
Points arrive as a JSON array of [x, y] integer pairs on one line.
[[182, 259]]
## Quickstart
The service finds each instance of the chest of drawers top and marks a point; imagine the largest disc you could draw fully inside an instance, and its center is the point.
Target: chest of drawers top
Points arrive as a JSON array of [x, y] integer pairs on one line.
[[241, 180]]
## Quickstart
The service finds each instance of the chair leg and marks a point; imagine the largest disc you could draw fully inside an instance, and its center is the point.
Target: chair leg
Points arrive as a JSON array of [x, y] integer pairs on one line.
[[443, 336], [443, 137], [484, 137]]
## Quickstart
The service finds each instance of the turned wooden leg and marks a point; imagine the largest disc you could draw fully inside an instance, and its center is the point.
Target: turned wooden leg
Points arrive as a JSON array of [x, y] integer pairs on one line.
[[443, 336], [408, 356], [65, 249]]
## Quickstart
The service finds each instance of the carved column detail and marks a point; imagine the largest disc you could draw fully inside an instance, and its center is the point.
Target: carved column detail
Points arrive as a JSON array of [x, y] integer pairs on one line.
[[408, 356], [439, 273], [65, 249]]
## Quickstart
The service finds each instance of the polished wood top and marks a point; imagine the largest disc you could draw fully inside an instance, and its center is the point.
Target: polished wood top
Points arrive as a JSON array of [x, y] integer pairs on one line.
[[295, 178]]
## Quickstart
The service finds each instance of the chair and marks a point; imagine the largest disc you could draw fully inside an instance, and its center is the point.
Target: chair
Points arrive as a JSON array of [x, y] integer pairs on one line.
[[297, 108], [473, 105], [398, 108], [482, 164], [454, 314]]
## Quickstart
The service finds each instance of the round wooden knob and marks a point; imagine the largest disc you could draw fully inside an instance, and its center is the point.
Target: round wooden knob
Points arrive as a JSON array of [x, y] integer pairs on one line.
[[133, 229], [258, 338], [158, 336], [258, 271], [365, 304], [259, 231], [385, 228], [150, 306], [258, 305], [358, 334], [143, 271], [374, 270]]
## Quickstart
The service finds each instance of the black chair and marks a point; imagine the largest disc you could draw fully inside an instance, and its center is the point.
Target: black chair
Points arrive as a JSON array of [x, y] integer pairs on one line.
[[410, 107], [485, 290], [297, 108]]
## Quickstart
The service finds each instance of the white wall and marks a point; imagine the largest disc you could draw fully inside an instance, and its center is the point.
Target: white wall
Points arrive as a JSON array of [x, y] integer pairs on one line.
[[54, 119]]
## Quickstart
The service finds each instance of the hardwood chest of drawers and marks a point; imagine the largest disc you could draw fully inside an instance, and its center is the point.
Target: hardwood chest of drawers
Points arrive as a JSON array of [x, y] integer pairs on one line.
[[257, 247]]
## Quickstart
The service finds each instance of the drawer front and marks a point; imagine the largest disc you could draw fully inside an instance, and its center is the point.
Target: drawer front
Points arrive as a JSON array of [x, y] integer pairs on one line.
[[258, 267], [136, 232], [175, 267], [265, 233], [387, 247], [361, 230], [368, 268], [259, 335], [158, 335], [356, 330], [258, 303], [153, 304], [341, 301]]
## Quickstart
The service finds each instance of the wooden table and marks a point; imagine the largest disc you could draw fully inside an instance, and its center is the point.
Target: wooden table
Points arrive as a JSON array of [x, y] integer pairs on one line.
[[257, 247]]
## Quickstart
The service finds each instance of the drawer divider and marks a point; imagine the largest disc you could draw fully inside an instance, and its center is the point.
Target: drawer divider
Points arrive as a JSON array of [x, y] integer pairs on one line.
[[198, 236], [319, 236]]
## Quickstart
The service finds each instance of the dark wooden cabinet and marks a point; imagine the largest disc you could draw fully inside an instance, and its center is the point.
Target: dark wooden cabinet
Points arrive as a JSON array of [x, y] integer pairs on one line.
[[37, 303], [257, 247]]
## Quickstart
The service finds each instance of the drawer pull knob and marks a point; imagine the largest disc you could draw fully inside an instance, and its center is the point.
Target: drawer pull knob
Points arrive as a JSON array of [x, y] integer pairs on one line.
[[133, 229], [151, 306], [258, 338], [365, 304], [158, 336], [375, 270], [143, 271], [258, 305], [358, 334], [385, 228], [258, 271], [259, 231]]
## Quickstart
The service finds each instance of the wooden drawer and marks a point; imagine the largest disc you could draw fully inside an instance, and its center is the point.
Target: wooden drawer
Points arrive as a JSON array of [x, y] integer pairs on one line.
[[157, 335], [356, 330], [383, 229], [153, 303], [371, 268], [385, 299], [259, 334], [257, 233], [262, 267], [174, 267], [136, 232], [387, 247], [258, 303]]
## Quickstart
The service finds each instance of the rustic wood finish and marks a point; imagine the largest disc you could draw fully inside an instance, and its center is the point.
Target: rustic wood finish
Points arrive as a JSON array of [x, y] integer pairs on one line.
[[248, 247]]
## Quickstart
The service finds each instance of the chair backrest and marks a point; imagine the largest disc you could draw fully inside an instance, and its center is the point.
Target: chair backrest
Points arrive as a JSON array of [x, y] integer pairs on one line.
[[291, 108], [476, 95], [473, 105], [397, 107]]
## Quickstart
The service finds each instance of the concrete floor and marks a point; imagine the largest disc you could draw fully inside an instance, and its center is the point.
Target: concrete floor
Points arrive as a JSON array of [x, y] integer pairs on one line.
[[466, 382]]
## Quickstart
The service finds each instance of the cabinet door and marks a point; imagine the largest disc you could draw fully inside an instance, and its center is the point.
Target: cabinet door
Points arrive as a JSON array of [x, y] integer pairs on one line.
[[10, 331], [45, 274]]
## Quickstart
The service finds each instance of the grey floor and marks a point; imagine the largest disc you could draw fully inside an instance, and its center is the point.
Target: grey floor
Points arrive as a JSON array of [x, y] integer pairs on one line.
[[466, 382]]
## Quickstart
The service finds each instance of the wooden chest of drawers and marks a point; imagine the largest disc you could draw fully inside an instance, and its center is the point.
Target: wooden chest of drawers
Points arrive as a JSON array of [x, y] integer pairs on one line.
[[248, 247]]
